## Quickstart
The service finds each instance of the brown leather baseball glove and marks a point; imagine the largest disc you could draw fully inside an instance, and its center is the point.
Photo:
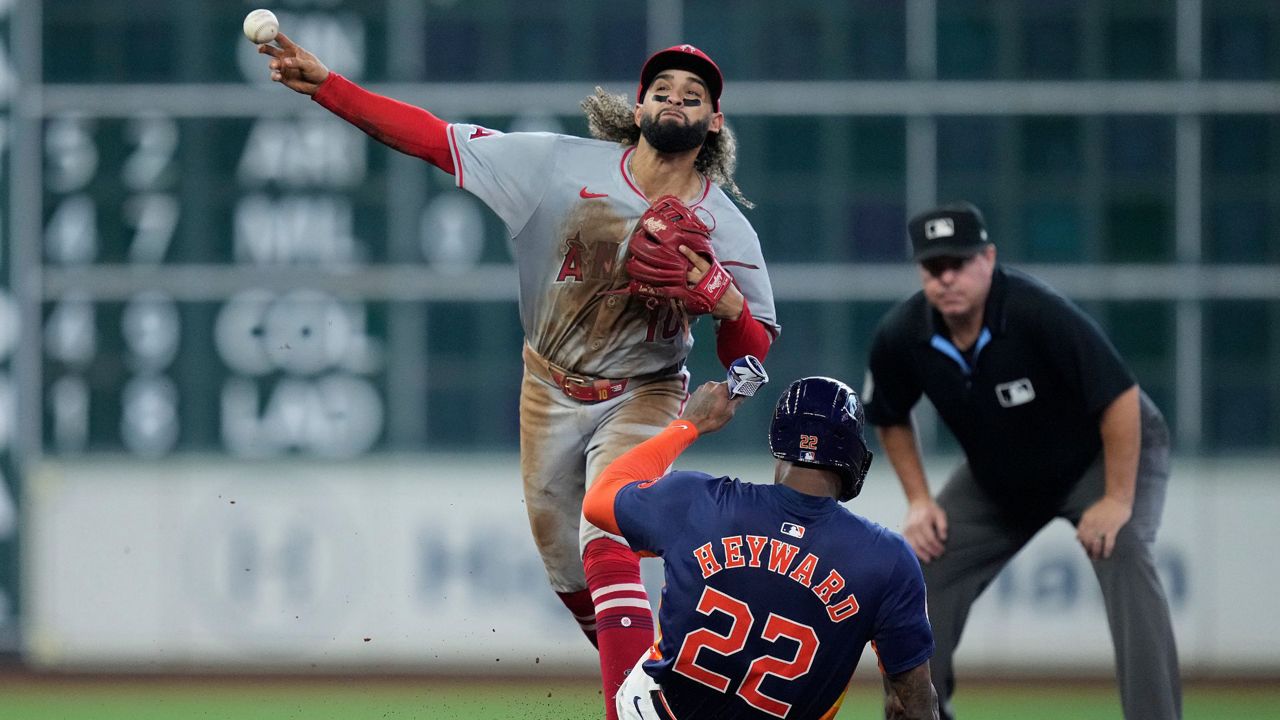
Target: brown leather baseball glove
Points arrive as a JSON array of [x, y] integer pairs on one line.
[[658, 269]]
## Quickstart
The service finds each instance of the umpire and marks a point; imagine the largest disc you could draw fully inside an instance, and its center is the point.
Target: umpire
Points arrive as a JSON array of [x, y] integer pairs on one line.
[[1052, 424]]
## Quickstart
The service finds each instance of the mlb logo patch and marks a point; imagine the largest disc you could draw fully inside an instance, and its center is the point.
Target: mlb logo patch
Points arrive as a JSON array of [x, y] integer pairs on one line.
[[1018, 392], [792, 529], [939, 228]]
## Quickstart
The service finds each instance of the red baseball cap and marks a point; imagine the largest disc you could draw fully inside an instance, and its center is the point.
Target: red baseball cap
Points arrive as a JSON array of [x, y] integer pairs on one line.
[[683, 57]]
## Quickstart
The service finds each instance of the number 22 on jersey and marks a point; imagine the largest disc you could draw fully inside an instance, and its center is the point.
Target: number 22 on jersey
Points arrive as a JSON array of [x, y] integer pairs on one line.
[[775, 627]]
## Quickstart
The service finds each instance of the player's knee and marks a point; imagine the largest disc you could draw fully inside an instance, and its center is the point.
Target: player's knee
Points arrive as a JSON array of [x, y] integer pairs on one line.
[[554, 534]]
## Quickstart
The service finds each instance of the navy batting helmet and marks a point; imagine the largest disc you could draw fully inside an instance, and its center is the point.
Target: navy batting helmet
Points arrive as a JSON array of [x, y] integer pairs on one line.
[[818, 422]]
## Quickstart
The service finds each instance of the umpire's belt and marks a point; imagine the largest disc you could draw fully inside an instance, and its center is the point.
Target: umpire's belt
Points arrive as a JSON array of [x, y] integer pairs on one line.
[[581, 387]]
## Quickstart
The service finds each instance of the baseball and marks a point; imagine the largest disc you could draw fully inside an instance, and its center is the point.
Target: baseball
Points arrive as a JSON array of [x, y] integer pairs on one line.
[[261, 26]]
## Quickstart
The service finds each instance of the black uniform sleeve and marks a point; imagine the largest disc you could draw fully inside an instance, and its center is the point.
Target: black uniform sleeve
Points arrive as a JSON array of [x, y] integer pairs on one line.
[[1081, 352], [891, 388]]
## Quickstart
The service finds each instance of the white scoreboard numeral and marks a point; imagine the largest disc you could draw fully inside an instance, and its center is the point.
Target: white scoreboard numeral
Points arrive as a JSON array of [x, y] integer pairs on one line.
[[71, 152], [149, 415], [71, 237], [151, 328], [154, 217], [70, 335], [156, 141]]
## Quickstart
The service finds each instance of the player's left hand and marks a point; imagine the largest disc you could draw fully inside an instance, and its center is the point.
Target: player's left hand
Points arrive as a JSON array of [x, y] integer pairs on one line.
[[710, 407], [1100, 524], [730, 305]]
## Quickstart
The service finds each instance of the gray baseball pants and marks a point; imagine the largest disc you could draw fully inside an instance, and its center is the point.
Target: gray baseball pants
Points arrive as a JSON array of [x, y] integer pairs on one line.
[[981, 540], [565, 444]]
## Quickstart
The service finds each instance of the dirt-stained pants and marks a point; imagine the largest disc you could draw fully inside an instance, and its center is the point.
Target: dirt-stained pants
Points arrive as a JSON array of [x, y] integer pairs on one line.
[[564, 446]]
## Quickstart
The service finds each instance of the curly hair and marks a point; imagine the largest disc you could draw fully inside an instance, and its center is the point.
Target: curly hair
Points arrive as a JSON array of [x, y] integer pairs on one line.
[[611, 117]]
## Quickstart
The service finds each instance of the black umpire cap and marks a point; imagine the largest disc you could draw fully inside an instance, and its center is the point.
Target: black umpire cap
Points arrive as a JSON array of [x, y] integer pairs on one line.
[[954, 230]]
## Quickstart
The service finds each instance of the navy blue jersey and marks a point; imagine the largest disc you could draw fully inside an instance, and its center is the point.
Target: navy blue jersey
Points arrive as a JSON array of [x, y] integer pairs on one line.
[[771, 595]]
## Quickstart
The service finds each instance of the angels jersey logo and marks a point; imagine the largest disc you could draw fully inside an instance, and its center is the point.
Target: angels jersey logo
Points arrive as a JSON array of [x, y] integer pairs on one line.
[[595, 261]]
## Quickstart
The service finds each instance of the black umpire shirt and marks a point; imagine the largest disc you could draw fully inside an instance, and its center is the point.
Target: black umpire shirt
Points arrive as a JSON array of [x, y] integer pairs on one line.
[[1024, 402]]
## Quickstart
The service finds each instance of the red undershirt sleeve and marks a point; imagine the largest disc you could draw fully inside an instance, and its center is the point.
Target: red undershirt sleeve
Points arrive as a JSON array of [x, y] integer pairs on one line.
[[404, 127], [646, 461], [744, 336]]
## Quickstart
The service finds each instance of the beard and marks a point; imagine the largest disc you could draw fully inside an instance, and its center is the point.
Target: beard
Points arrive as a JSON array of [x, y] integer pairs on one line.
[[674, 137]]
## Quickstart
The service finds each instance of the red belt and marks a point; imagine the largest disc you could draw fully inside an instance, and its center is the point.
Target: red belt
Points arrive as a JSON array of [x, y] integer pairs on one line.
[[586, 389]]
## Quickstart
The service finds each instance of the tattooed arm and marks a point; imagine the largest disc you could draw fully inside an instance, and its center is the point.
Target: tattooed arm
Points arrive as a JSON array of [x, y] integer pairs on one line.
[[910, 696]]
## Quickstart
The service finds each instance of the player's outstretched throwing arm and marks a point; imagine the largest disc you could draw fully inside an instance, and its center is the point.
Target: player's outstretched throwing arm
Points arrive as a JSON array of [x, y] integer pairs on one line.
[[709, 409], [401, 126]]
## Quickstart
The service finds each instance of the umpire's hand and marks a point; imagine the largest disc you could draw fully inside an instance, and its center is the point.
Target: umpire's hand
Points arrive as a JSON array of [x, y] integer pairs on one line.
[[1100, 525], [926, 529], [710, 407]]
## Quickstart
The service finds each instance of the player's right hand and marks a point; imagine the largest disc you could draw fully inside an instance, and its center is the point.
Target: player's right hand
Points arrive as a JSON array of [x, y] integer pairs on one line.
[[710, 407], [294, 67], [926, 529]]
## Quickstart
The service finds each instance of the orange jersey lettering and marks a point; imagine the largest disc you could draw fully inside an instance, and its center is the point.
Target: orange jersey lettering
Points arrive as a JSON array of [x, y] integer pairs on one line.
[[733, 557], [707, 561], [780, 556]]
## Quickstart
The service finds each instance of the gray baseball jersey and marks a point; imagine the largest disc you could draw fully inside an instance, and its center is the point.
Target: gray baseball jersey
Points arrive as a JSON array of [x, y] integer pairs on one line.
[[569, 204]]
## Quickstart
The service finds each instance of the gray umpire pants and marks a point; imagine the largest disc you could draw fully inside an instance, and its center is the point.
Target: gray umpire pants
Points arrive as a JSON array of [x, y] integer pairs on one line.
[[980, 541]]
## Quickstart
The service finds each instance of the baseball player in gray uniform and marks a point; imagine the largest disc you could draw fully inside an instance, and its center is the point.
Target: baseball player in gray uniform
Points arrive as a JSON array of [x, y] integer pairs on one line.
[[604, 362]]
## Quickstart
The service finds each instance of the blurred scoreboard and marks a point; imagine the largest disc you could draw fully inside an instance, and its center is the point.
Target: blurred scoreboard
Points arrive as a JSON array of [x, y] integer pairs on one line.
[[10, 330], [134, 363], [201, 267], [225, 267], [196, 260]]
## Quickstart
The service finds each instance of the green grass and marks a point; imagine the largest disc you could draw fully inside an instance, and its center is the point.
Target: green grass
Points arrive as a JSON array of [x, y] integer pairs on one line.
[[1103, 703], [343, 699], [46, 698]]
